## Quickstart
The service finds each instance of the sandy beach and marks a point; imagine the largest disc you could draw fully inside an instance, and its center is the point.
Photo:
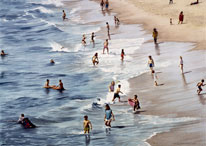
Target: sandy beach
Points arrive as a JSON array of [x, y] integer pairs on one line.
[[176, 97]]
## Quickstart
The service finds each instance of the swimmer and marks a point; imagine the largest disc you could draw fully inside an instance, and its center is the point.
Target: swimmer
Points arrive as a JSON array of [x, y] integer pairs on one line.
[[199, 85], [136, 101], [3, 53], [87, 125], [181, 64], [21, 118], [59, 87], [154, 77], [151, 63], [92, 39], [95, 59], [122, 55], [106, 43], [64, 15], [84, 40], [52, 61], [111, 86], [47, 85], [116, 94], [109, 116]]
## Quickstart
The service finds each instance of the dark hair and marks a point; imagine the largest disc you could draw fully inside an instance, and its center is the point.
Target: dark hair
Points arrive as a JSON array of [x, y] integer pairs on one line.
[[22, 115], [60, 80], [153, 71], [150, 57], [47, 79], [86, 117], [119, 86], [107, 107], [107, 23], [203, 80], [96, 54], [135, 96]]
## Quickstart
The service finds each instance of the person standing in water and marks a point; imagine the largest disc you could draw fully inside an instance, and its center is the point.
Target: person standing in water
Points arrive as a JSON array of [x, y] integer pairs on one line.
[[111, 86], [87, 125], [154, 77], [92, 39], [59, 87], [102, 4], [151, 63], [106, 43], [95, 59], [122, 55], [155, 35], [109, 116], [199, 85], [116, 94], [181, 64], [137, 103], [84, 40], [107, 4], [63, 15], [108, 29], [181, 18]]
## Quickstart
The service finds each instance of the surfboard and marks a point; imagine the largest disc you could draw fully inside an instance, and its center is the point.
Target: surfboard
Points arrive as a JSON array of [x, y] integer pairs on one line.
[[130, 102]]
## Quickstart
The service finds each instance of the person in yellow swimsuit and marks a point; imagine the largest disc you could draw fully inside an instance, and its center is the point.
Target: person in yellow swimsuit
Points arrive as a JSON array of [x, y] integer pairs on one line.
[[87, 125]]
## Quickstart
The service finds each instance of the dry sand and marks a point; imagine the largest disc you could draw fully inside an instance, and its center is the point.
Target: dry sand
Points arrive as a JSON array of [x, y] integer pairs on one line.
[[157, 14]]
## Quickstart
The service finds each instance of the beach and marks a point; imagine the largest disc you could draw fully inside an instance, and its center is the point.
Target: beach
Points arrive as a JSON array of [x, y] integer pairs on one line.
[[177, 97]]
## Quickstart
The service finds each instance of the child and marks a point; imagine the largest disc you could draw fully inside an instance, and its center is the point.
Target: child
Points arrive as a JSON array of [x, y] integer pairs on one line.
[[21, 118], [95, 59], [111, 86], [181, 64], [155, 35], [122, 55], [199, 85], [87, 125], [106, 43], [116, 94], [155, 78], [108, 116], [136, 101], [151, 63]]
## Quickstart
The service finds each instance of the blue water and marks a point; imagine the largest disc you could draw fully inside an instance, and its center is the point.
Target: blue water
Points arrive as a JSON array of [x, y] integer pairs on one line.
[[32, 33]]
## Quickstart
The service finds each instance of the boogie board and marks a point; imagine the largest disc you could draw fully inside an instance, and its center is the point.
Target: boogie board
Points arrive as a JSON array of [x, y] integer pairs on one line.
[[130, 102]]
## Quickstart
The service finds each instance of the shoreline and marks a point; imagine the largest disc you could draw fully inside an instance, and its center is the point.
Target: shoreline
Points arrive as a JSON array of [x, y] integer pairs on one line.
[[128, 17]]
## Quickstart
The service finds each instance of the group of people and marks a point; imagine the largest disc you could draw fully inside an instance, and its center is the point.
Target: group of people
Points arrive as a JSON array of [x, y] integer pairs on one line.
[[58, 87], [104, 4]]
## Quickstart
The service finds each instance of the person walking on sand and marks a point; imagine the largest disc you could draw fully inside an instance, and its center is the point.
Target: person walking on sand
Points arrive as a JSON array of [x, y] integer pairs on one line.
[[95, 59], [199, 85], [181, 18], [151, 63], [171, 2], [136, 103], [107, 4], [181, 64], [109, 116], [92, 39], [116, 94], [154, 77], [63, 15], [122, 55], [111, 86], [87, 125], [155, 35], [102, 4], [106, 43]]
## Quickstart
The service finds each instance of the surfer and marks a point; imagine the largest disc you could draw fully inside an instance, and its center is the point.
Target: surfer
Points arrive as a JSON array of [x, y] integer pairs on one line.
[[116, 94], [106, 43], [151, 63], [59, 87], [87, 125], [64, 15], [109, 116], [136, 102], [199, 85], [95, 59], [3, 53], [52, 61], [111, 86]]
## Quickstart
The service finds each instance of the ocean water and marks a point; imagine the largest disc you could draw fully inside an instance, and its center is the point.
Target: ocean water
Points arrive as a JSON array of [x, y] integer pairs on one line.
[[32, 33]]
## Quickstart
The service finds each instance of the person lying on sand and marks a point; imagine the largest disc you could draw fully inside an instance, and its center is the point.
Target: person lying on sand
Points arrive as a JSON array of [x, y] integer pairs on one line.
[[194, 3]]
